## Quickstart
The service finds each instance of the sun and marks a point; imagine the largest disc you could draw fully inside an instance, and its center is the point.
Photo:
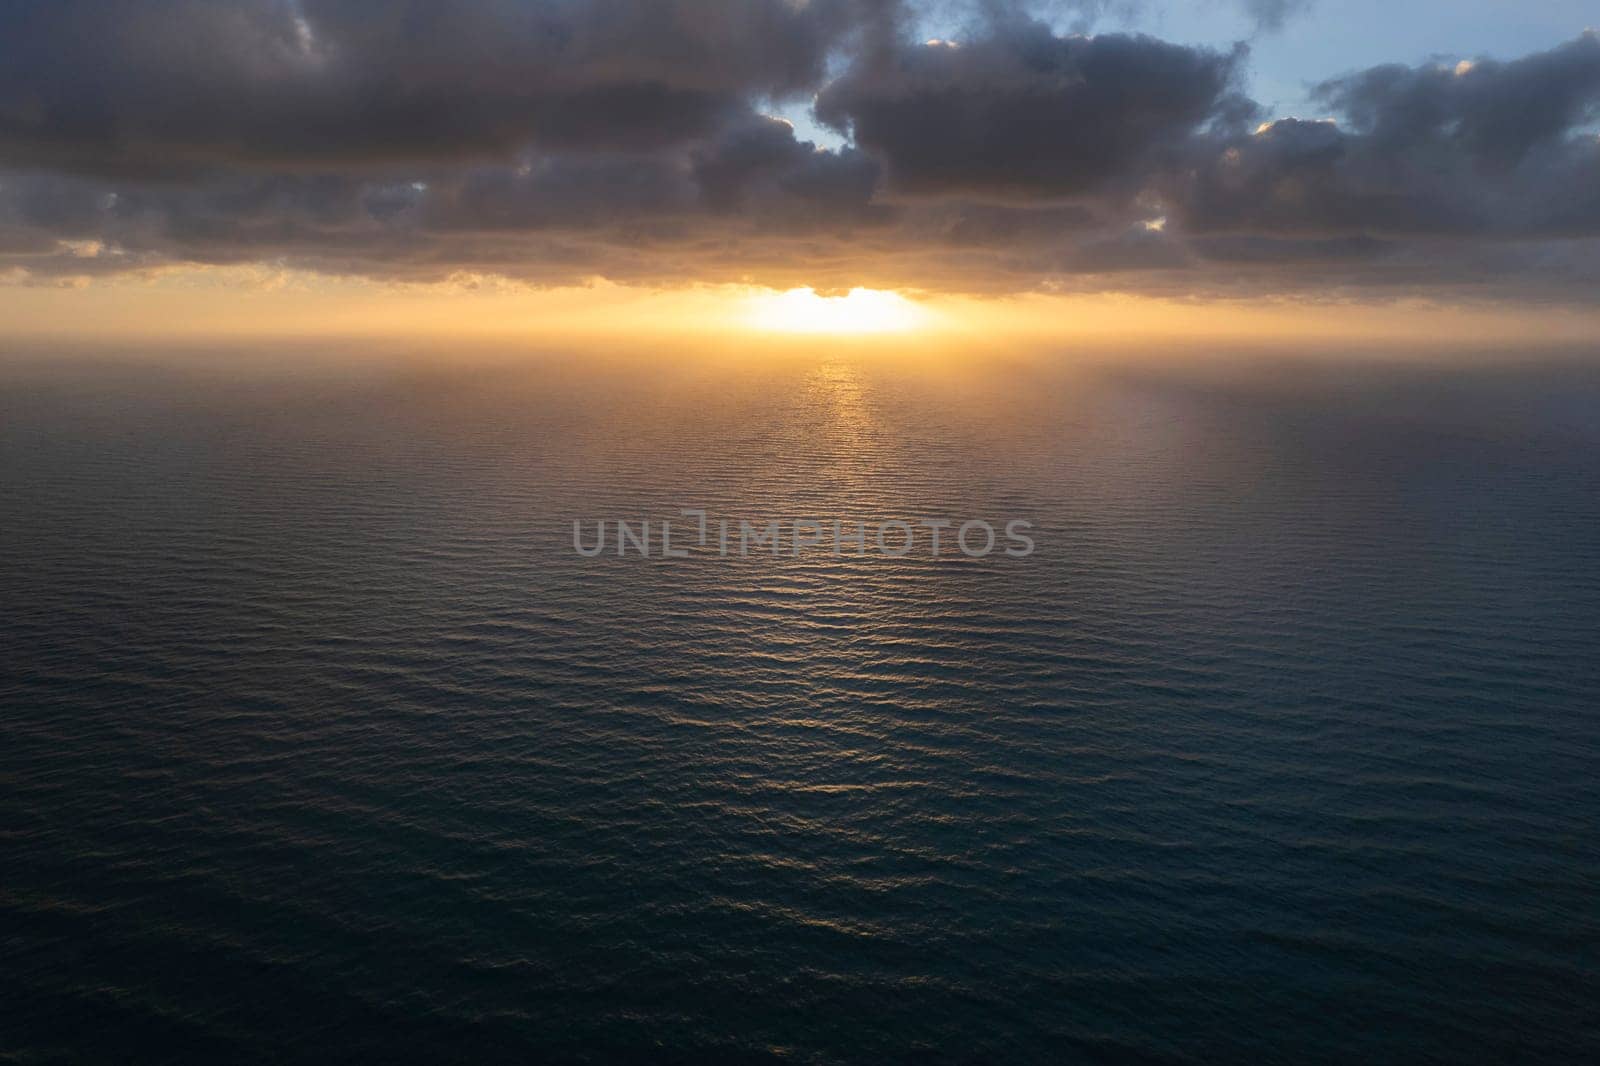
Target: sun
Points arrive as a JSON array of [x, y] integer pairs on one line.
[[858, 311]]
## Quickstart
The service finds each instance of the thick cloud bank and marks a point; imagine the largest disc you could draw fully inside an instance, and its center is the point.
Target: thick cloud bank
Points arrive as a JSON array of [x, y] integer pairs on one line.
[[554, 140]]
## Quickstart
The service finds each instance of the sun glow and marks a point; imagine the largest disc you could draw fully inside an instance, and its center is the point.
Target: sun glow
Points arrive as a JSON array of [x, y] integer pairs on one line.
[[858, 311], [209, 303]]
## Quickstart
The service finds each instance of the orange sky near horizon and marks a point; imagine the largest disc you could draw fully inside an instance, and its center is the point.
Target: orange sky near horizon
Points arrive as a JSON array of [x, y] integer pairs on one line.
[[255, 302]]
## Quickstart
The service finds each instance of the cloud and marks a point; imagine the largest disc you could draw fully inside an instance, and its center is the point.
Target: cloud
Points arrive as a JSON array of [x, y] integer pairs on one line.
[[1485, 150], [1271, 15], [758, 165], [172, 86], [1023, 113], [553, 140]]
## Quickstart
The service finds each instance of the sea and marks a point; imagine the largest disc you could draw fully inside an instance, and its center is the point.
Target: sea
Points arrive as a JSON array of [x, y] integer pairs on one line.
[[322, 741]]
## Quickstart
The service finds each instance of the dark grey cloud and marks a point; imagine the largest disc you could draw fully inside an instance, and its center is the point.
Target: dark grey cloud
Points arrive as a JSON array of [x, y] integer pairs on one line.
[[1023, 113], [1085, 16], [1271, 15], [759, 166], [552, 140], [1487, 150], [1491, 113], [163, 86], [1137, 249]]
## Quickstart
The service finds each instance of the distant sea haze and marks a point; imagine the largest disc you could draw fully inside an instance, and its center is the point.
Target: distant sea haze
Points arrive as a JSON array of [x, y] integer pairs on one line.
[[320, 742]]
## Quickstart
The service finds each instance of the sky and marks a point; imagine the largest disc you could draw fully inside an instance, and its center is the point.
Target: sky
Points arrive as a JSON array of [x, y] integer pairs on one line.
[[340, 157]]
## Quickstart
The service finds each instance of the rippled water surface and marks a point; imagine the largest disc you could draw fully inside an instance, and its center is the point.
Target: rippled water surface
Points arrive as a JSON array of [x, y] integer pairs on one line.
[[320, 743]]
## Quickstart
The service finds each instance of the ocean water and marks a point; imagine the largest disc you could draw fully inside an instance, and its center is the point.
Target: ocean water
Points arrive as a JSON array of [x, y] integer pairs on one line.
[[319, 742]]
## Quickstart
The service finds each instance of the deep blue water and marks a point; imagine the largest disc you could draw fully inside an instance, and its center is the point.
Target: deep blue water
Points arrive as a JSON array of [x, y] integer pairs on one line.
[[320, 743]]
